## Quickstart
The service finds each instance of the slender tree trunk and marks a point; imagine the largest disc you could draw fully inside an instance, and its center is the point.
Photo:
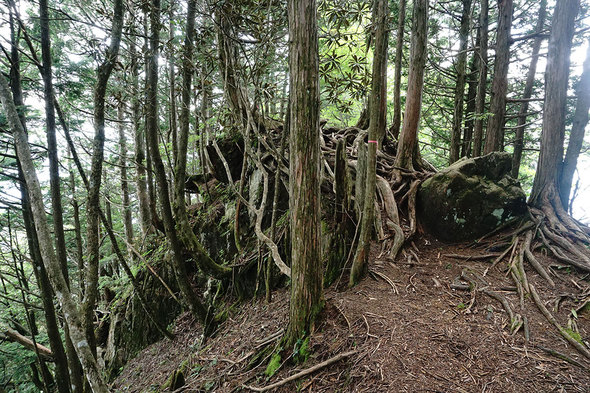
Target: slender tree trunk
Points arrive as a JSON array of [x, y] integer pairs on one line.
[[377, 124], [528, 91], [173, 131], [407, 152], [139, 137], [93, 201], [545, 187], [124, 179], [495, 132], [71, 312], [577, 134], [460, 68], [181, 274], [304, 185], [466, 146], [480, 98], [61, 363], [399, 53]]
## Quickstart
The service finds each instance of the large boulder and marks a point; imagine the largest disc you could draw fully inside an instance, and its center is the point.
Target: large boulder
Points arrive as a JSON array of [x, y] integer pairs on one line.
[[470, 198]]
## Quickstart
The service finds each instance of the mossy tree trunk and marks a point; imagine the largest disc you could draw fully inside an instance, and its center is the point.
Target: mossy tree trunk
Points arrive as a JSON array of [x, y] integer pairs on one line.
[[304, 184], [73, 316]]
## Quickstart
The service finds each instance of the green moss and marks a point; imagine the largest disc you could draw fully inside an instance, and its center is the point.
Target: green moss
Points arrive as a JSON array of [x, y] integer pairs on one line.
[[304, 351], [273, 365], [573, 334]]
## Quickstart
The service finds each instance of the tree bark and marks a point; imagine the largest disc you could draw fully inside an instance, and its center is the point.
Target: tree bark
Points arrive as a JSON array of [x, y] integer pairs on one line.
[[399, 53], [528, 91], [377, 125], [495, 132], [480, 98], [189, 296], [467, 144], [576, 139], [407, 153], [545, 186], [460, 68], [304, 185], [127, 221], [71, 312], [61, 361], [139, 137], [93, 199]]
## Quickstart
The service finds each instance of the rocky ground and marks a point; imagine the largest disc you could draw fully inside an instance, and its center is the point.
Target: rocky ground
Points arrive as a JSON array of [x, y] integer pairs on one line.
[[414, 326]]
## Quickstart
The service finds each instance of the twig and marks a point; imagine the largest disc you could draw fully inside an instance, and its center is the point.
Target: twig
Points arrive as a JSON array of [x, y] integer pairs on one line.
[[303, 373]]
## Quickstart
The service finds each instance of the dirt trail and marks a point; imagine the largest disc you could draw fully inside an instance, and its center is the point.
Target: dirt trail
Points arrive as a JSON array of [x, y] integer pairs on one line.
[[413, 334]]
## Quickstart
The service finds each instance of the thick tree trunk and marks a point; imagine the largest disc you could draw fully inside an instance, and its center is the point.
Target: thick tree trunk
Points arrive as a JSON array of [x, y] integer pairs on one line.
[[480, 98], [399, 53], [304, 185], [495, 132], [407, 152], [377, 125], [460, 68], [528, 91], [576, 135], [71, 312], [545, 186]]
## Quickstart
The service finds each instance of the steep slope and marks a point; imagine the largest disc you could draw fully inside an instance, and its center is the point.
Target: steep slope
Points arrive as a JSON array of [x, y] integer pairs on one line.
[[415, 327]]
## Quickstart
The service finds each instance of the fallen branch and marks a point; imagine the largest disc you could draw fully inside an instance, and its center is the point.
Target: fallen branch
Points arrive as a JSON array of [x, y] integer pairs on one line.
[[303, 373], [12, 335]]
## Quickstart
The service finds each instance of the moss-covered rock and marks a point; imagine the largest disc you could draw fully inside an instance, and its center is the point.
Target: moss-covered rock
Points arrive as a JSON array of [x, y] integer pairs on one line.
[[470, 198]]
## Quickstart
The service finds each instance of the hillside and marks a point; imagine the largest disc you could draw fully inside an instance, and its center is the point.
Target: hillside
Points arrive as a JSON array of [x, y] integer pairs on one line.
[[411, 330]]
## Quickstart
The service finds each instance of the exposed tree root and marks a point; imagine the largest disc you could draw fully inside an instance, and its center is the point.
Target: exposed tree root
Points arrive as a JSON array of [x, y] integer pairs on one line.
[[303, 373]]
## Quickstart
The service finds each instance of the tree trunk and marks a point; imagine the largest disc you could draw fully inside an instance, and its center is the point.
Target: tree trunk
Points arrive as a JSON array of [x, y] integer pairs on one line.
[[460, 68], [495, 133], [71, 312], [399, 53], [181, 274], [466, 145], [127, 221], [577, 134], [480, 98], [61, 364], [528, 91], [407, 152], [93, 201], [304, 185], [377, 124], [139, 137], [545, 186]]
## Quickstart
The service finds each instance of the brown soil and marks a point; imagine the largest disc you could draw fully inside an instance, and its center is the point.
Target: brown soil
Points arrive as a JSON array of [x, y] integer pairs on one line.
[[418, 336]]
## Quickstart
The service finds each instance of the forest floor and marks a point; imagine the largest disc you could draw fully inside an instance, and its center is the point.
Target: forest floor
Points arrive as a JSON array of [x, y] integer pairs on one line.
[[412, 332]]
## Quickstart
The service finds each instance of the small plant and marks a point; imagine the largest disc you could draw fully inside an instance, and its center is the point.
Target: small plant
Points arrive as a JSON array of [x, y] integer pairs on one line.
[[461, 306]]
